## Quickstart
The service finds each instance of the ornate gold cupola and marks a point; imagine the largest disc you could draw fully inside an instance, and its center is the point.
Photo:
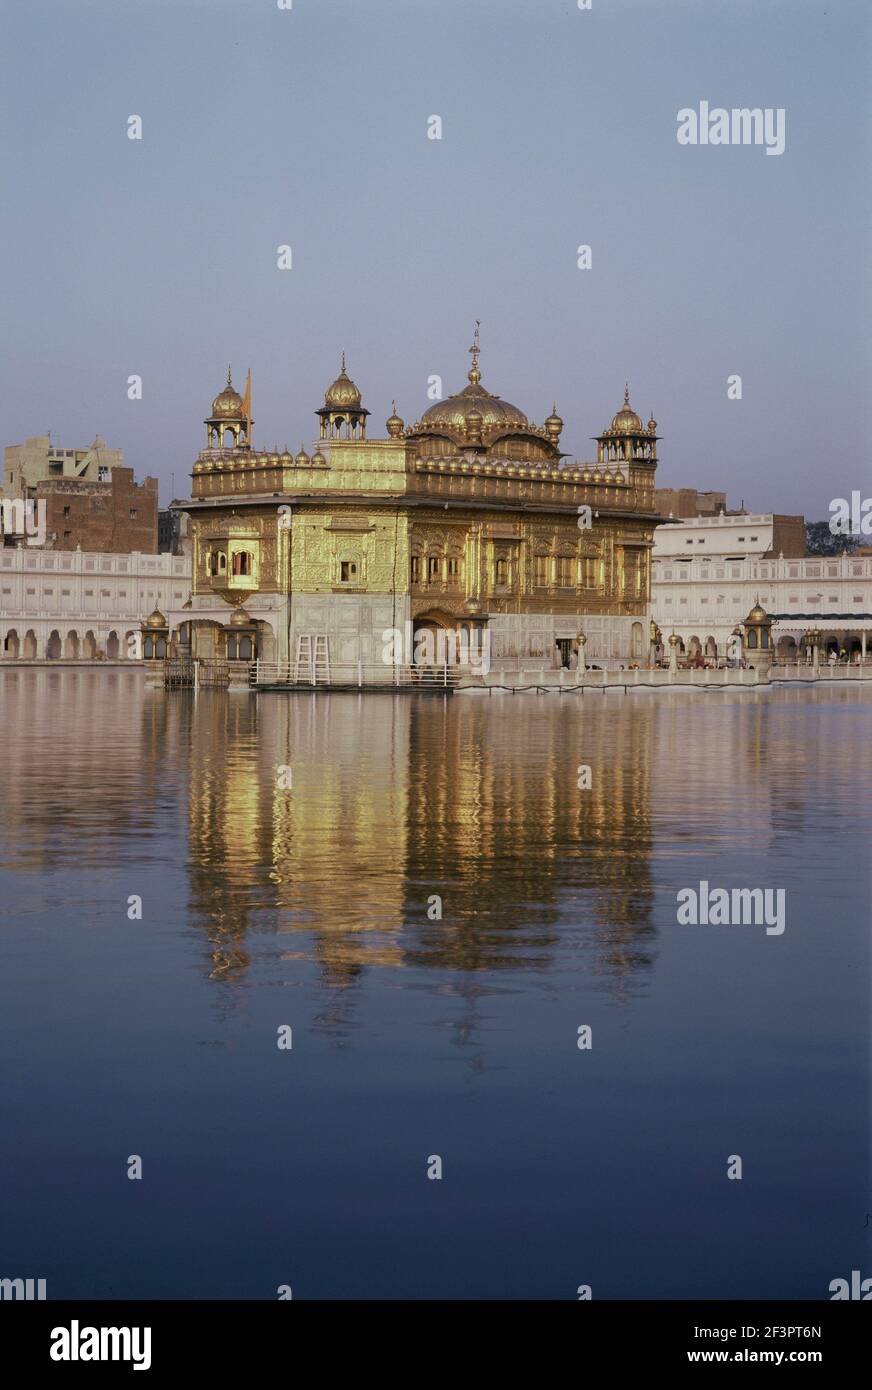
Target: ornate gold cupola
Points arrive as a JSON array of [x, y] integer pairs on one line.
[[229, 425], [342, 415], [627, 439]]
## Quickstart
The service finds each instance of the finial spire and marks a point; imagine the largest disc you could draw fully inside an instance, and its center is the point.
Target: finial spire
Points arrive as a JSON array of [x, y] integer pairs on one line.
[[474, 373], [343, 361], [229, 382], [626, 393]]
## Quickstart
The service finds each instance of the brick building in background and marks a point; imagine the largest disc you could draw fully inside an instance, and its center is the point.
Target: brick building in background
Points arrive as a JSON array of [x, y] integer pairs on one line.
[[91, 500], [684, 502], [114, 517]]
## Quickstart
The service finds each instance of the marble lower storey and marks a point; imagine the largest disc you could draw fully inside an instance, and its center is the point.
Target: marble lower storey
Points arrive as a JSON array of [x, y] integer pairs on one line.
[[358, 628]]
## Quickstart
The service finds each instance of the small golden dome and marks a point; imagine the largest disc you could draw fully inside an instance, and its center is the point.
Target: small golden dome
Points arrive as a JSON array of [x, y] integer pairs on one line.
[[553, 424], [626, 421], [239, 618], [394, 424], [318, 458], [343, 394], [652, 424], [758, 614], [228, 404], [156, 619], [302, 458]]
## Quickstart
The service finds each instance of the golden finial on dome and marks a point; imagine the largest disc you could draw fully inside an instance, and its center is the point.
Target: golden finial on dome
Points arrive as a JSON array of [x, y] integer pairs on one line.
[[474, 373]]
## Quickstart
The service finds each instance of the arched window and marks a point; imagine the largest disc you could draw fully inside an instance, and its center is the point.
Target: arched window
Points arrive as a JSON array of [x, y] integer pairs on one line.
[[242, 562], [752, 639]]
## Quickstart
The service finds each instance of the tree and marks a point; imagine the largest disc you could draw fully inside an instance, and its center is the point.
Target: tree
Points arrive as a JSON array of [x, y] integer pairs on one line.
[[820, 540]]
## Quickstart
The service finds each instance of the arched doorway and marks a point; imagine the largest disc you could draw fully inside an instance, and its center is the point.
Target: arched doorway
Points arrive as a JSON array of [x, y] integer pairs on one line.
[[112, 646], [30, 645], [90, 646], [711, 649], [71, 646], [53, 645], [434, 639], [11, 645], [636, 643]]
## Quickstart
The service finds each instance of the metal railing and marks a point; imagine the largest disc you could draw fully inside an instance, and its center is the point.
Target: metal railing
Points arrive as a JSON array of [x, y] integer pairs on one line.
[[186, 673]]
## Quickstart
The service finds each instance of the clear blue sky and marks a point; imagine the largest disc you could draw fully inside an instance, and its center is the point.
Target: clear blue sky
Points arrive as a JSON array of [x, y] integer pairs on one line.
[[308, 127]]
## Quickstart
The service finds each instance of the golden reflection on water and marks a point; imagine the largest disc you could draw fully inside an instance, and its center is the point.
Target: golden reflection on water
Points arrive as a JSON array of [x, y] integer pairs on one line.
[[395, 799]]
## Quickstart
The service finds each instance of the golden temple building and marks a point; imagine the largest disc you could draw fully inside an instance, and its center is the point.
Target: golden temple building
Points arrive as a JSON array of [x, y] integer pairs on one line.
[[473, 519]]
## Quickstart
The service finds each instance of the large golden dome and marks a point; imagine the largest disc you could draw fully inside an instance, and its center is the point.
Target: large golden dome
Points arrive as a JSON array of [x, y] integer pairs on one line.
[[228, 404], [627, 421], [343, 394], [494, 414], [452, 412]]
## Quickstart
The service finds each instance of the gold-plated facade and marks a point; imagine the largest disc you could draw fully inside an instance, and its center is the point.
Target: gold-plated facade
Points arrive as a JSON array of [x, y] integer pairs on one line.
[[472, 509]]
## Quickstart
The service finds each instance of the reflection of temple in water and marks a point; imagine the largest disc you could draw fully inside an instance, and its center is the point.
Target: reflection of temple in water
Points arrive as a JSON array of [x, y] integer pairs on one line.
[[393, 801]]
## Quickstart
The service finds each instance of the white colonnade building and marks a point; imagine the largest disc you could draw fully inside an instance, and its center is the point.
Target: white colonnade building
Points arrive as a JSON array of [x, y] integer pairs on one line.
[[82, 605]]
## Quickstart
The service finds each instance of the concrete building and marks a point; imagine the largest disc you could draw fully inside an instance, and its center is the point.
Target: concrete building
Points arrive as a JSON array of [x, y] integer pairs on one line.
[[38, 460], [174, 530], [732, 535], [704, 598], [86, 606]]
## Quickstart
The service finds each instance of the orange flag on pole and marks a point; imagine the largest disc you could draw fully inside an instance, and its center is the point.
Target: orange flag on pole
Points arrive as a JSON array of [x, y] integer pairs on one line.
[[246, 405]]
